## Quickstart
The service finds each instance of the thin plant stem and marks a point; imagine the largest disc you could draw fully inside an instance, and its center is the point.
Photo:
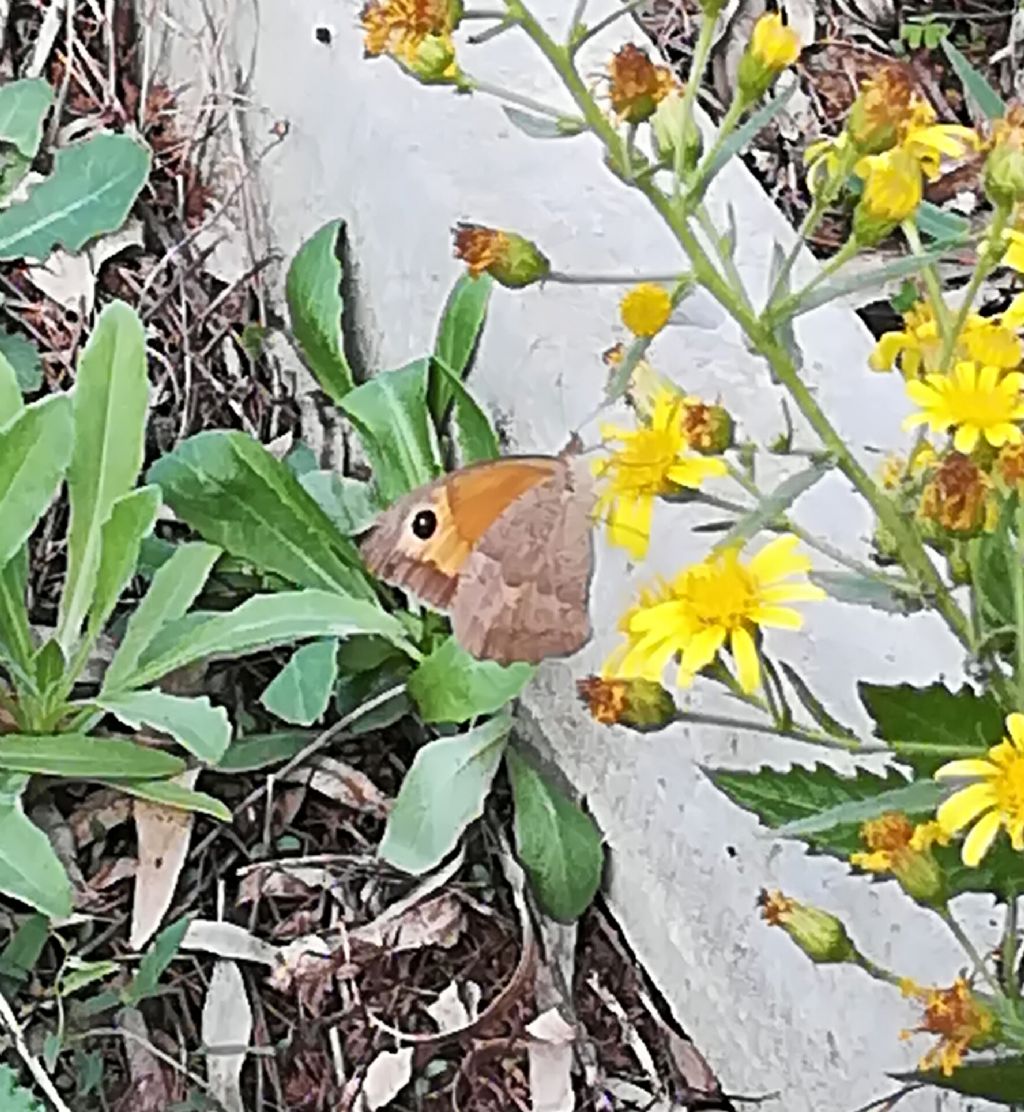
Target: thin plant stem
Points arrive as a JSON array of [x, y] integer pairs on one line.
[[969, 949], [931, 284], [603, 24], [725, 257], [1010, 979], [485, 87], [32, 1063], [791, 733], [874, 970], [701, 177], [578, 11], [483, 13], [701, 54], [787, 305], [609, 279]]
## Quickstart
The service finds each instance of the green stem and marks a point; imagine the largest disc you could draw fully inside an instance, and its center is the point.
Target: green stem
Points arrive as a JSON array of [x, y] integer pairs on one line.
[[792, 733], [969, 949], [761, 335], [483, 13], [702, 175], [875, 971], [608, 279], [701, 54], [601, 25], [987, 260], [725, 258], [1010, 948], [485, 87], [787, 306], [931, 284]]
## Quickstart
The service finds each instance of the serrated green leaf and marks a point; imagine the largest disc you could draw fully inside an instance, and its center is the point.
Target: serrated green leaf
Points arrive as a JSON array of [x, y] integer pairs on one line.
[[194, 722], [350, 503], [262, 622], [85, 757], [30, 871], [91, 190], [313, 293], [928, 726], [111, 399], [24, 358], [23, 108], [772, 506], [458, 334], [232, 491], [442, 793], [472, 428], [558, 844], [155, 960], [1000, 1080], [169, 793], [393, 421], [301, 691], [34, 451], [174, 587], [452, 686], [989, 102], [861, 590]]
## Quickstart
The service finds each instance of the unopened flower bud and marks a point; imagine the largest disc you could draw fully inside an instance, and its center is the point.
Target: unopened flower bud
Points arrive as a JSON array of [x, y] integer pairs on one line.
[[820, 935], [773, 47], [641, 704], [676, 136], [636, 84], [433, 62], [884, 104], [510, 259], [1004, 167], [709, 428]]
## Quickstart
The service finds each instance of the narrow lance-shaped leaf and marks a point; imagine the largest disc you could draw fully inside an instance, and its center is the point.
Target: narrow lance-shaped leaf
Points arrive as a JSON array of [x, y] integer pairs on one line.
[[313, 293], [977, 87], [458, 334], [90, 191], [111, 399], [755, 123], [1000, 1080], [30, 871], [442, 793], [175, 586], [472, 428], [771, 506], [203, 729], [169, 793], [15, 637], [85, 757]]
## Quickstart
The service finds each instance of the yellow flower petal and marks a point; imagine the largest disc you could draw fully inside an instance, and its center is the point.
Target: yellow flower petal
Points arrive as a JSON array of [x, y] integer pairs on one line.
[[748, 666], [980, 839], [702, 649], [781, 617], [965, 806], [969, 766], [1015, 724]]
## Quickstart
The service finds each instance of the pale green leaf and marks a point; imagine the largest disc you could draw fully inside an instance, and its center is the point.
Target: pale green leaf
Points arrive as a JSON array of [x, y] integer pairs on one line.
[[259, 751], [175, 585], [558, 844], [738, 140], [78, 974], [15, 634], [442, 793], [301, 691], [922, 795], [23, 108], [86, 758], [771, 506], [989, 102], [90, 191], [24, 358], [862, 590], [544, 127], [313, 293], [350, 503], [472, 428], [111, 398], [169, 793], [11, 403], [201, 728], [155, 960], [453, 686], [29, 869], [15, 1097]]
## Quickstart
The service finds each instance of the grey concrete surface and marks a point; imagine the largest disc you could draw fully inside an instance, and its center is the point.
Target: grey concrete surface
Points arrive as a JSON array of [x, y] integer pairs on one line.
[[401, 164]]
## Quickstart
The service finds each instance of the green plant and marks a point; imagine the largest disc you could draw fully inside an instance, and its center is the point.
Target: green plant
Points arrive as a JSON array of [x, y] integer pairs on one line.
[[293, 522]]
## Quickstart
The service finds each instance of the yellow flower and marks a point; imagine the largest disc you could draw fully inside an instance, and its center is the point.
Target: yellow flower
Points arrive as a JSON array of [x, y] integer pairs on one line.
[[957, 1016], [399, 27], [1009, 466], [896, 846], [717, 601], [1014, 256], [773, 46], [510, 259], [980, 404], [653, 460], [994, 801], [645, 309], [958, 496], [892, 191], [928, 141], [636, 84]]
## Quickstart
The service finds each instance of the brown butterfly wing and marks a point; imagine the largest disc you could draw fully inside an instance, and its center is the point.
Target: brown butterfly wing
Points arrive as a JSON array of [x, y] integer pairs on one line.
[[523, 593]]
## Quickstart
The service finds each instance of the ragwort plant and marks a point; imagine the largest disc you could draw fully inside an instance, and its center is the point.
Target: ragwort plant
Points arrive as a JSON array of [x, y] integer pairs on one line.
[[948, 816]]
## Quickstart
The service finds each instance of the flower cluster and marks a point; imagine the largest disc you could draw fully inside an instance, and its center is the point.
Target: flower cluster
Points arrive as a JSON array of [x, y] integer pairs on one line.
[[415, 33]]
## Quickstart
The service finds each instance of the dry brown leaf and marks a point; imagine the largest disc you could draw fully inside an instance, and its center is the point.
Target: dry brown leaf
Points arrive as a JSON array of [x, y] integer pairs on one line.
[[227, 1022], [100, 812], [344, 784], [436, 922], [283, 881], [387, 1075], [163, 834], [149, 1090], [113, 871]]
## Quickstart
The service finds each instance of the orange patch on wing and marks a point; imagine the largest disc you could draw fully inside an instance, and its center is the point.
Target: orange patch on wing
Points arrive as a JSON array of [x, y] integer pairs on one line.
[[478, 496]]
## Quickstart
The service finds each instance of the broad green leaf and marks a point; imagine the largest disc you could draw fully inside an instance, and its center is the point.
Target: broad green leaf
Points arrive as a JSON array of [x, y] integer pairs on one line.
[[262, 622], [772, 506], [442, 793], [301, 691], [24, 358], [174, 588], [920, 797], [350, 503], [11, 403], [457, 336], [90, 191], [928, 726], [558, 844], [543, 127], [860, 590], [34, 452], [472, 428], [15, 1097], [30, 871], [155, 960], [13, 168], [78, 974], [194, 722], [15, 634], [48, 667], [777, 798], [356, 691], [232, 491], [111, 398], [86, 758], [23, 108], [170, 793], [452, 686], [131, 518], [391, 415], [999, 1079], [313, 293], [989, 102], [301, 460], [24, 948], [259, 751], [755, 123]]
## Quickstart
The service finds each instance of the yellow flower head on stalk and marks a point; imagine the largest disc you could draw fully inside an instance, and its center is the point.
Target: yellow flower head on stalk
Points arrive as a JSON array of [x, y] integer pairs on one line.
[[651, 460], [895, 845], [717, 602], [957, 1016], [929, 142], [980, 404], [400, 27], [773, 47], [995, 799], [639, 703], [892, 191], [884, 105], [636, 84], [820, 935], [1004, 167], [958, 496], [645, 309]]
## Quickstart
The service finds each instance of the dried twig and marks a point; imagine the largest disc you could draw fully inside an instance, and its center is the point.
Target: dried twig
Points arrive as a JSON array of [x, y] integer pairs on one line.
[[32, 1063]]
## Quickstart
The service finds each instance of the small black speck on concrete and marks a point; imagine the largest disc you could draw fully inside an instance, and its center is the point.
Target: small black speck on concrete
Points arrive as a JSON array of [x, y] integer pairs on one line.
[[323, 34]]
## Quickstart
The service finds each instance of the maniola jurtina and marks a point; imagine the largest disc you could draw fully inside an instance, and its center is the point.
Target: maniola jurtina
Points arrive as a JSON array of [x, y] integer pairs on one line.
[[504, 546]]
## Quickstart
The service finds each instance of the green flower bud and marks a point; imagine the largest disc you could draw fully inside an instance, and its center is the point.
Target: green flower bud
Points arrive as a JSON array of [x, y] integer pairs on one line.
[[820, 935]]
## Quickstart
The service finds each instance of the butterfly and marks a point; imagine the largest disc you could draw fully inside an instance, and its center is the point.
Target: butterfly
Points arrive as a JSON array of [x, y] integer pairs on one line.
[[504, 546]]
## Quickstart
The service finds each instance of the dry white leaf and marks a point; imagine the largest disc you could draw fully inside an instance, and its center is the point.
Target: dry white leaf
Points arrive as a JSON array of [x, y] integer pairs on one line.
[[283, 881], [227, 1022], [550, 1056], [300, 957], [70, 279], [228, 940], [387, 1076], [163, 837], [450, 1011]]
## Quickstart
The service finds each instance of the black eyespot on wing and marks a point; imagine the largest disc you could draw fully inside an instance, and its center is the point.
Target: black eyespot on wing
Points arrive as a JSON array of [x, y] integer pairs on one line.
[[424, 524]]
